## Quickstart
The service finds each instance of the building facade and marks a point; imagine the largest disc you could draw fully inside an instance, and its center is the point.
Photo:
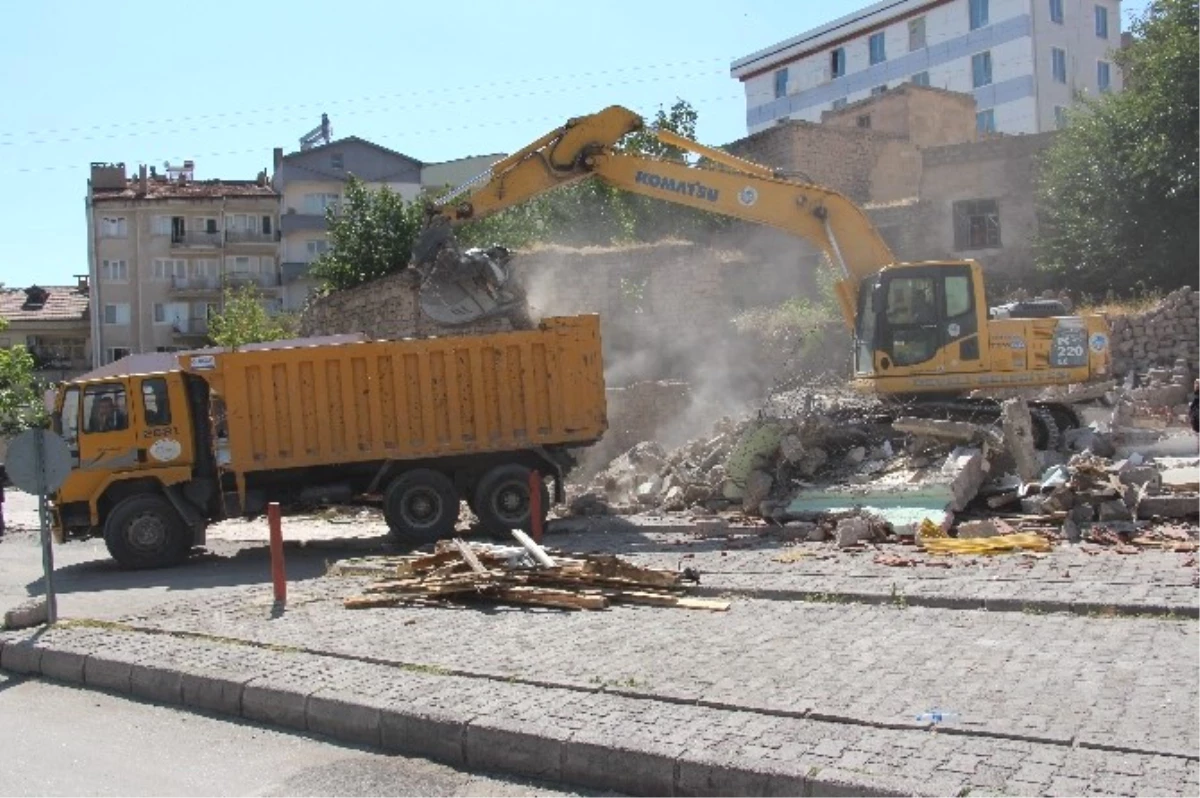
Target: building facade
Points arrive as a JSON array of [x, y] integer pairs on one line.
[[53, 323], [313, 179], [163, 247], [1024, 61]]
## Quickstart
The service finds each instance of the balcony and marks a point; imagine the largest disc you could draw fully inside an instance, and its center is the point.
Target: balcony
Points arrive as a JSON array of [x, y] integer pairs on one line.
[[240, 279], [190, 328], [195, 286], [196, 240], [250, 237], [291, 271]]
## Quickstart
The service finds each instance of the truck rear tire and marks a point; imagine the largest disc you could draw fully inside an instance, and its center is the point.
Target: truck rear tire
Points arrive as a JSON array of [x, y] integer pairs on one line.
[[145, 531], [421, 506], [502, 501]]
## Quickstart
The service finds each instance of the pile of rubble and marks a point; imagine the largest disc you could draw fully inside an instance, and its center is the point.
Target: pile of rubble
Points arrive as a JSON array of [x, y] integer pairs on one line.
[[1159, 337]]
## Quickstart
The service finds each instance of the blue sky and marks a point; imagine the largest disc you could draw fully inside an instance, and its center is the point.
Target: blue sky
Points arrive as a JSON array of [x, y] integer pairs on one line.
[[224, 82]]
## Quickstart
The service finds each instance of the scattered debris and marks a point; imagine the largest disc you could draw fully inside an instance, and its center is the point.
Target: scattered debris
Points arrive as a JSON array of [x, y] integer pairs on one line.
[[461, 572], [996, 545]]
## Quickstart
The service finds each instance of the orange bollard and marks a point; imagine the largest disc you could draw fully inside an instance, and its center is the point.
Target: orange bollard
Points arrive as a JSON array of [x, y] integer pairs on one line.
[[278, 577], [535, 506]]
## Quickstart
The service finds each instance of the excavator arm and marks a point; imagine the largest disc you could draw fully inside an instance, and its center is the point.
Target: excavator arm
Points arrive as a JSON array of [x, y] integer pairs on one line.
[[588, 147]]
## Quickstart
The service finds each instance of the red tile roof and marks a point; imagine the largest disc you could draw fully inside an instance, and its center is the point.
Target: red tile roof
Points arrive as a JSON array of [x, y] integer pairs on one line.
[[161, 188], [65, 302]]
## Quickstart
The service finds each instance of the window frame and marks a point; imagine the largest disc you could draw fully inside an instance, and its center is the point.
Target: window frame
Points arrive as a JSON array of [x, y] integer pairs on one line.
[[122, 268], [1103, 68], [156, 419], [1057, 12], [781, 80], [1055, 62], [837, 63], [985, 121], [916, 81], [965, 213], [114, 227], [1100, 14], [97, 391], [874, 58], [916, 34], [116, 306], [977, 14], [981, 63]]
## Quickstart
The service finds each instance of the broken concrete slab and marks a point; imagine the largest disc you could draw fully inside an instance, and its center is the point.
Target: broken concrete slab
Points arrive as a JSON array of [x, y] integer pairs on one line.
[[758, 487], [1018, 437], [966, 469], [852, 531], [962, 431], [985, 528], [1169, 506], [1114, 511]]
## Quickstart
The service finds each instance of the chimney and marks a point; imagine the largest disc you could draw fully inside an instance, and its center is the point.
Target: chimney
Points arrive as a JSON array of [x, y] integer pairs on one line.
[[81, 283], [262, 178], [278, 158], [143, 186]]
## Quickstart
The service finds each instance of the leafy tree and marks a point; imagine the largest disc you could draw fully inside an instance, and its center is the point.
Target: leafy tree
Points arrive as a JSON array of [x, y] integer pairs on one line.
[[244, 320], [1118, 189], [369, 237], [21, 403]]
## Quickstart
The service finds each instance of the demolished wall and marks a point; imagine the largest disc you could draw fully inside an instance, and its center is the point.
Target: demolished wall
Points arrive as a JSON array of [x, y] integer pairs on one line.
[[1157, 337]]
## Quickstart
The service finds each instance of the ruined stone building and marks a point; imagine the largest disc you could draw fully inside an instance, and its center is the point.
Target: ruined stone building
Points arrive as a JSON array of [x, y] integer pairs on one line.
[[1025, 62]]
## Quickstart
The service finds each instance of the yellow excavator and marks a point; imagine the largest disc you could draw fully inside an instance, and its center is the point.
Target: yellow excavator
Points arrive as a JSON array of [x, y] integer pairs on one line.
[[923, 333]]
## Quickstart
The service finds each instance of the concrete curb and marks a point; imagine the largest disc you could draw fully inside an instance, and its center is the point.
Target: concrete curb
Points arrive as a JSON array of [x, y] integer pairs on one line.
[[581, 759]]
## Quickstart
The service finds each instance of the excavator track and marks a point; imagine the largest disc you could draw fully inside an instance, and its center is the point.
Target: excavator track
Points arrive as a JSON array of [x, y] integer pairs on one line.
[[1050, 420]]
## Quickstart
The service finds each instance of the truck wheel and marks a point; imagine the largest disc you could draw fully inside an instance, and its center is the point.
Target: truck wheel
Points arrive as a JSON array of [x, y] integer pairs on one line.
[[502, 501], [421, 506], [145, 531]]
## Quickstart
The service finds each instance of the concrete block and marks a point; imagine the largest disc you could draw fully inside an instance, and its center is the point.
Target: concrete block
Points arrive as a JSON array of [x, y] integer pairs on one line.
[[275, 705], [213, 693], [63, 666], [31, 613], [433, 735], [343, 717], [163, 685], [712, 778], [978, 529], [602, 766], [107, 674], [21, 656], [511, 748], [836, 782], [966, 471], [1169, 506]]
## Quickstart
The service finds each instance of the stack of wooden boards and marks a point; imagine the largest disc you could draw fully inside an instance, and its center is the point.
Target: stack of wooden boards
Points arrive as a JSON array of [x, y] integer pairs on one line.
[[459, 572]]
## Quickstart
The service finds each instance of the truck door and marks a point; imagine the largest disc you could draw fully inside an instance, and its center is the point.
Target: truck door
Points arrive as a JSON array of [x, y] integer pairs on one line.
[[910, 330], [163, 437], [106, 436]]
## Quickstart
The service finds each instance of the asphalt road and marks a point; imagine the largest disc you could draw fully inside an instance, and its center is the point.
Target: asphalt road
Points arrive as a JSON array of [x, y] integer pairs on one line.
[[61, 740]]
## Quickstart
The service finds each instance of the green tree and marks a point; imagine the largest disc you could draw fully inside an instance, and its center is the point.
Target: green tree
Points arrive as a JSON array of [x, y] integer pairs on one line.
[[1118, 189], [244, 320], [370, 236], [21, 402]]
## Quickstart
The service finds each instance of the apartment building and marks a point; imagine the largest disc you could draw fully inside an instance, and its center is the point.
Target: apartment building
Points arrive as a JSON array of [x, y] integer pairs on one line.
[[313, 179], [161, 249], [53, 323], [1024, 61]]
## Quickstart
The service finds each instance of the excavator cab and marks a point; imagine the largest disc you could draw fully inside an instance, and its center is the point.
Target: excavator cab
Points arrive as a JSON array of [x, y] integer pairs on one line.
[[922, 317]]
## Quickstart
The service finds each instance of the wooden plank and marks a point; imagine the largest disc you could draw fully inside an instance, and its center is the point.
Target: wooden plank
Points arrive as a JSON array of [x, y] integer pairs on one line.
[[555, 598], [469, 556]]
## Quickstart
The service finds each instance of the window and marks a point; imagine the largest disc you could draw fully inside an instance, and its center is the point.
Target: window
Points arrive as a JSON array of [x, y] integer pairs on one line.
[[877, 48], [981, 69], [1060, 117], [204, 268], [916, 34], [864, 121], [160, 226], [839, 103], [114, 271], [117, 313], [1103, 75], [978, 13], [67, 425], [241, 222], [837, 62], [317, 247], [976, 224], [204, 224], [920, 79], [1101, 22], [878, 90], [1056, 11], [912, 322], [114, 227], [958, 295], [241, 264], [985, 121], [115, 353], [167, 268], [318, 203], [780, 83], [336, 161], [266, 225], [1058, 64], [155, 406], [170, 312], [104, 407]]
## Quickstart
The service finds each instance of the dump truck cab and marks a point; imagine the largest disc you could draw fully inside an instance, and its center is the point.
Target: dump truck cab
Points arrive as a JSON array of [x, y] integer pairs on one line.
[[135, 448]]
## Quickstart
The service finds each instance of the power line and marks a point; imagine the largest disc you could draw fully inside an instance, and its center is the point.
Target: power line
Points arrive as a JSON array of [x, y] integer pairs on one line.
[[364, 98]]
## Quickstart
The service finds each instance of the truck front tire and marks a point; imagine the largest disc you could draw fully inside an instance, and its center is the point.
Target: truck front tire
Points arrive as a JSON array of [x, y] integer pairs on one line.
[[421, 506], [145, 531]]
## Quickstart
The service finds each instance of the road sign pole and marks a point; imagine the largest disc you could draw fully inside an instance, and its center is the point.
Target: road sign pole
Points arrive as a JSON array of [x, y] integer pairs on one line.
[[39, 450]]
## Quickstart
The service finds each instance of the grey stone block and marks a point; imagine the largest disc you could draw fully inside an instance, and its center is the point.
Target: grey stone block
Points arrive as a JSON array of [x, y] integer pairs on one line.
[[213, 693], [278, 706], [343, 717], [21, 656], [695, 777], [602, 766], [163, 685], [34, 612], [835, 782], [63, 666], [433, 735], [508, 747], [107, 674]]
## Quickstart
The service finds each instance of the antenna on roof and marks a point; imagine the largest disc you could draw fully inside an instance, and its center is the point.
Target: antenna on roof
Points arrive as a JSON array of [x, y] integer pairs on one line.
[[322, 133]]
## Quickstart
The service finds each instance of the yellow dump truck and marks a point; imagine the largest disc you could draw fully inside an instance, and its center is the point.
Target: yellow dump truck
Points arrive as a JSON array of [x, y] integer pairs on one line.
[[420, 423]]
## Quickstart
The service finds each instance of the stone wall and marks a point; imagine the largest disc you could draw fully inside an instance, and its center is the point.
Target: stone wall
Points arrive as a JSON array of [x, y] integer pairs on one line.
[[1158, 337]]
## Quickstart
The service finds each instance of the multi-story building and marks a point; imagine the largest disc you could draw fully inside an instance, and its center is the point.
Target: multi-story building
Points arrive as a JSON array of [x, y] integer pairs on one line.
[[313, 179], [1024, 61], [163, 247], [52, 322]]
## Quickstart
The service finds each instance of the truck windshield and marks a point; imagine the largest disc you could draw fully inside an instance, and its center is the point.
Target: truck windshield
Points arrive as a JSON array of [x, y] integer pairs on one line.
[[66, 421]]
